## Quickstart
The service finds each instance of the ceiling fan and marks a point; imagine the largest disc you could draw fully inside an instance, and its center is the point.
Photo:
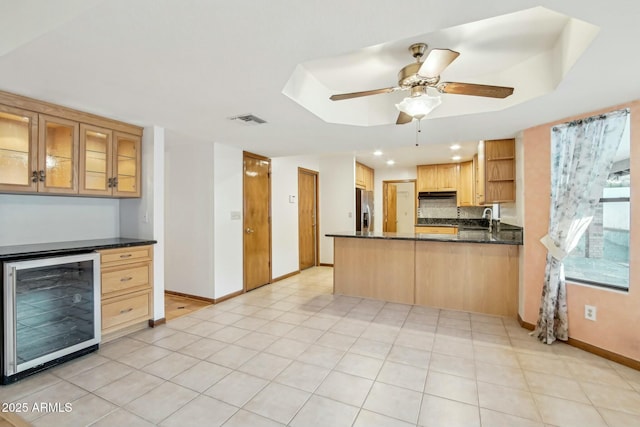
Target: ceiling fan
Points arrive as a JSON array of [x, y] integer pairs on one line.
[[421, 75]]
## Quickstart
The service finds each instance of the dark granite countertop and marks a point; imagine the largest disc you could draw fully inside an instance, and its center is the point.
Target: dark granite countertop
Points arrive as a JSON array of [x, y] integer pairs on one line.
[[504, 237], [67, 248]]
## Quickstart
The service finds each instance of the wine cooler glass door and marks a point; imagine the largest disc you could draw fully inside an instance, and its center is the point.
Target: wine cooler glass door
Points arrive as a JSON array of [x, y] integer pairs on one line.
[[51, 309]]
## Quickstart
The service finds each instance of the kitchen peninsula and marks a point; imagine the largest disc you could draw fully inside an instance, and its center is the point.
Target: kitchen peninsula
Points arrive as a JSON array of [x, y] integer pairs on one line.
[[472, 270]]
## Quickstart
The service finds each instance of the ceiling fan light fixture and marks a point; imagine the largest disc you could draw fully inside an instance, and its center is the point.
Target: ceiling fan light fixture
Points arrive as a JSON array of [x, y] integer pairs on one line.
[[419, 106]]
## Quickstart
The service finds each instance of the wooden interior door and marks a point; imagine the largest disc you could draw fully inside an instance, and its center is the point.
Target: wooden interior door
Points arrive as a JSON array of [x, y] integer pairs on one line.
[[307, 218], [389, 208], [257, 221]]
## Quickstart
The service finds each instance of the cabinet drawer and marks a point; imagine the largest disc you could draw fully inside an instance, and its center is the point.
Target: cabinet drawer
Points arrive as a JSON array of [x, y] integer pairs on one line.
[[133, 307], [126, 255], [125, 278]]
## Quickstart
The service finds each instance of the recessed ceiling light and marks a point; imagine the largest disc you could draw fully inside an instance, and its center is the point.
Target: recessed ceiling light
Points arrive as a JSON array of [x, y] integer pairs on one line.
[[391, 162], [455, 147], [377, 153], [456, 158]]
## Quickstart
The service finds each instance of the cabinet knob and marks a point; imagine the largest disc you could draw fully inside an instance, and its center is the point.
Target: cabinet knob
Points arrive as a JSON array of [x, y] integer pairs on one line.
[[42, 176], [34, 176], [125, 256], [248, 230], [126, 279], [126, 310]]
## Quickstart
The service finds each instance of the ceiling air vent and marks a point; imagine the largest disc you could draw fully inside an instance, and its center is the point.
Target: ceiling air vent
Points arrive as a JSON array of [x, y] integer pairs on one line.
[[248, 119]]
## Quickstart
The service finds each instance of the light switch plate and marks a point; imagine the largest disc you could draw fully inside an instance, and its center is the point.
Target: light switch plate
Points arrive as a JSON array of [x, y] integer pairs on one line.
[[236, 215], [292, 199]]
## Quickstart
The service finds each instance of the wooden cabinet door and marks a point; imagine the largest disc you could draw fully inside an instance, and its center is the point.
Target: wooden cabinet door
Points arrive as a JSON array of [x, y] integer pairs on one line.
[[18, 149], [96, 160], [427, 178], [478, 161], [126, 165], [368, 178], [447, 177], [360, 182], [307, 214], [257, 222], [465, 184], [57, 155]]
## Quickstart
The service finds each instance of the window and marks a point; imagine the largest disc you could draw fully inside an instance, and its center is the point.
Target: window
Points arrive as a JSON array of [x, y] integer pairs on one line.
[[602, 256]]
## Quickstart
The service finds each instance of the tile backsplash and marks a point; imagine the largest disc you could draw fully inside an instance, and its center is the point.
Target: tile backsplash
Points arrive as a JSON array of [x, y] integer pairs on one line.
[[446, 208]]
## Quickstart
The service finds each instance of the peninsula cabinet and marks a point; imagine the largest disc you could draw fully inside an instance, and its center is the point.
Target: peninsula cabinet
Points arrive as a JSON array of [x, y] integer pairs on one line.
[[109, 162], [126, 289], [49, 149]]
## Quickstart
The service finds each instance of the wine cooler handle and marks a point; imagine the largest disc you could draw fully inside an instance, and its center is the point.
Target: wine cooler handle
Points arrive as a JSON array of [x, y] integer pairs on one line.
[[13, 356]]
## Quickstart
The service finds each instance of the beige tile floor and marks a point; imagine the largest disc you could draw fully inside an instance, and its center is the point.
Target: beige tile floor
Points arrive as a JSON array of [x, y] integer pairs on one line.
[[293, 354]]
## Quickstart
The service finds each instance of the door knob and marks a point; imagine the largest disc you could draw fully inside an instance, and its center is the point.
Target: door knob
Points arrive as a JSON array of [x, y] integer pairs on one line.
[[248, 230]]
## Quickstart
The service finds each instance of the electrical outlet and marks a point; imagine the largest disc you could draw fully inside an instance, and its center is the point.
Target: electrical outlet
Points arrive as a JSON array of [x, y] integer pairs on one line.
[[590, 312]]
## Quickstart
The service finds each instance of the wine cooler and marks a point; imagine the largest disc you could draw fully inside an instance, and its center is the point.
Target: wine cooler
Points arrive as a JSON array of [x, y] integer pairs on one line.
[[51, 312]]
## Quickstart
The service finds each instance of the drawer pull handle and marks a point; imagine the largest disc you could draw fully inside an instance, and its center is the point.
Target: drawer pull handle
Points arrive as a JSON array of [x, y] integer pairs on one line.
[[126, 310], [126, 256], [126, 279]]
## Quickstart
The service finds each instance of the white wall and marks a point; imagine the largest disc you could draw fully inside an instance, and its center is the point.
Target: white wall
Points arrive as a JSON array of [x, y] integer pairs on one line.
[[284, 224], [189, 239], [144, 217], [391, 173], [337, 200], [406, 207], [27, 219], [227, 233]]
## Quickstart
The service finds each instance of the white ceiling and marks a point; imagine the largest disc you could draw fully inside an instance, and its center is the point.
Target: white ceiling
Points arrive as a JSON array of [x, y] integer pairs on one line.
[[189, 65]]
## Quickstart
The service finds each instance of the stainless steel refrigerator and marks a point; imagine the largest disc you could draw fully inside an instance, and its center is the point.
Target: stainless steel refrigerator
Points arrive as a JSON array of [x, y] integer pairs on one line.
[[364, 210]]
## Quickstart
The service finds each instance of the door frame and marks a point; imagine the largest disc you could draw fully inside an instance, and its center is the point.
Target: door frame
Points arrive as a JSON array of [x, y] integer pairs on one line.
[[384, 199], [244, 277], [317, 210]]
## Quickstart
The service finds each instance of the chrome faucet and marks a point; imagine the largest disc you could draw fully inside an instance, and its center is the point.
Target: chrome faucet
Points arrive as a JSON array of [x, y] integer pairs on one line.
[[484, 215]]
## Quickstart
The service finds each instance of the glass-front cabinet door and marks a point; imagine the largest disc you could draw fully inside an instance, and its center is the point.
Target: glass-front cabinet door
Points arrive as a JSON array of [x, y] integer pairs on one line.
[[18, 147], [96, 176], [57, 155], [126, 165]]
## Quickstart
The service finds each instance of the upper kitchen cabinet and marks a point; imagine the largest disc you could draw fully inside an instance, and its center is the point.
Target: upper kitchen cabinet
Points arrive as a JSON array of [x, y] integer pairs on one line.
[[57, 155], [38, 153], [49, 149], [126, 165], [96, 160], [500, 171], [18, 149], [466, 184], [109, 162], [478, 169], [442, 177], [364, 177]]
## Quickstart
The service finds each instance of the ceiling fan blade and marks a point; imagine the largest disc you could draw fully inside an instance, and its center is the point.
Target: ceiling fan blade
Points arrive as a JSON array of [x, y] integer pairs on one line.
[[342, 96], [437, 60], [474, 89], [403, 118]]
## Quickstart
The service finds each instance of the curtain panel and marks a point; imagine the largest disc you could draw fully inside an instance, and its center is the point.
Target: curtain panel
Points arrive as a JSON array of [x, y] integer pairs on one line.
[[582, 153]]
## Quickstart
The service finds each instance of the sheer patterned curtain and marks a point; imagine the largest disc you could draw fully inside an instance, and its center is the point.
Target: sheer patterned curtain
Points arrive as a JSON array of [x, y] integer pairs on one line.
[[582, 153]]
